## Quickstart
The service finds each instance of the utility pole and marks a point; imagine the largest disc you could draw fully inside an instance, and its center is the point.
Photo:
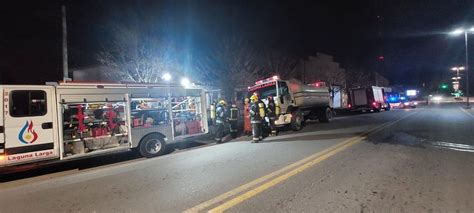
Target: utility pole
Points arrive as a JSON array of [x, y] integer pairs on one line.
[[467, 70], [64, 44]]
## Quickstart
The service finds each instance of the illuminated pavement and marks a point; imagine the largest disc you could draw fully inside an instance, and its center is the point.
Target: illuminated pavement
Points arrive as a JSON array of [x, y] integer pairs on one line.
[[422, 162]]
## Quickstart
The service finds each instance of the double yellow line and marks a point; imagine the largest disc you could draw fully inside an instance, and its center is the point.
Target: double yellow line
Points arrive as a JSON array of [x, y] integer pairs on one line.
[[248, 191]]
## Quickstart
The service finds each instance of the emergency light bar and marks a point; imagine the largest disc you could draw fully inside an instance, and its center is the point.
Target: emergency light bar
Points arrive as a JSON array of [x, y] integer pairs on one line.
[[273, 78]]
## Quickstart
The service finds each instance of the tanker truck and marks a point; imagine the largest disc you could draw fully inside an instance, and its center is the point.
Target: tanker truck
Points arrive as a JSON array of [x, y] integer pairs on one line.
[[297, 101]]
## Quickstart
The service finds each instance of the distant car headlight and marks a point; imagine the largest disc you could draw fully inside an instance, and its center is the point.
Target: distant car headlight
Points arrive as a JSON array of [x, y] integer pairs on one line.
[[437, 98], [406, 103], [416, 103]]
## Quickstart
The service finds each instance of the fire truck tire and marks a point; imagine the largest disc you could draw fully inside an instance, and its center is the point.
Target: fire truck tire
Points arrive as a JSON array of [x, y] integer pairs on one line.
[[152, 145], [296, 121], [324, 115]]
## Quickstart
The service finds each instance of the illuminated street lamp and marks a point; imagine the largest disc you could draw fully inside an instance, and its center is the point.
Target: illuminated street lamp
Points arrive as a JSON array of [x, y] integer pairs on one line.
[[185, 83], [166, 77], [457, 78], [458, 32]]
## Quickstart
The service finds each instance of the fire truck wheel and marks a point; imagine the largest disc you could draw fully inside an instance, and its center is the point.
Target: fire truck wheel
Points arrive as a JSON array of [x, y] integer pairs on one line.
[[296, 121], [325, 115], [152, 145]]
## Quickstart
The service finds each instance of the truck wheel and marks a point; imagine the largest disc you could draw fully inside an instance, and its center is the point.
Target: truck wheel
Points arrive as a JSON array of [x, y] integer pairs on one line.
[[152, 145], [296, 121], [324, 115]]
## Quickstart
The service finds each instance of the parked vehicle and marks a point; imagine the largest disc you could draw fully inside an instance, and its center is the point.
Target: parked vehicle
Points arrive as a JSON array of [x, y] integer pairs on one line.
[[297, 101], [408, 104], [339, 98], [368, 99], [76, 120]]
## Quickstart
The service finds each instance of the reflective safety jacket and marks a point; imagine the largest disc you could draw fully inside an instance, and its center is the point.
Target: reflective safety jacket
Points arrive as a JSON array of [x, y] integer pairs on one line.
[[254, 113], [271, 109], [234, 112], [220, 113]]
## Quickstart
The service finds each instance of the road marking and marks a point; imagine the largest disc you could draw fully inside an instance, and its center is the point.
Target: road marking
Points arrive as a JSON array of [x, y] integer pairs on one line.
[[321, 157], [267, 177], [465, 111], [255, 182]]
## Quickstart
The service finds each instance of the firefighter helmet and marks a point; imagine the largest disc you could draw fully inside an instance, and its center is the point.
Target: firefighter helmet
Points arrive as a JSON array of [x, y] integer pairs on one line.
[[222, 102], [254, 98]]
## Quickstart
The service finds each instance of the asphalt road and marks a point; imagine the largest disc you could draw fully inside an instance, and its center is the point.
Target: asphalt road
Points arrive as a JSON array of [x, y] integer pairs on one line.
[[416, 160]]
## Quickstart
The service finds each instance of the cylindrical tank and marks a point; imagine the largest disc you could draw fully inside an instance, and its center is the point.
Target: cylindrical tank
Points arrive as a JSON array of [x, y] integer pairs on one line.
[[307, 96]]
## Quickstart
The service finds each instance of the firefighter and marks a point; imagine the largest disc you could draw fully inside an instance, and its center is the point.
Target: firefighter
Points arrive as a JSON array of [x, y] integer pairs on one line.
[[271, 114], [247, 125], [262, 110], [255, 119], [221, 117], [213, 112], [233, 115]]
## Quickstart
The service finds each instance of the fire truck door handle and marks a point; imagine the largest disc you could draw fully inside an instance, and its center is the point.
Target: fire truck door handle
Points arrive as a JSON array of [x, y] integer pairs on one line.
[[47, 125]]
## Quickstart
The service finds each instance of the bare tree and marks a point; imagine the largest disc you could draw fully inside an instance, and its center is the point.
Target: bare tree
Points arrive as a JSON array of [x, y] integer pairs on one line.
[[358, 78], [138, 54], [281, 63], [231, 62], [323, 68]]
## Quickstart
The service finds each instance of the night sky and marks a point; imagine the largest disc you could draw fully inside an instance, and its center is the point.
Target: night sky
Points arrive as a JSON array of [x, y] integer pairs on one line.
[[411, 35]]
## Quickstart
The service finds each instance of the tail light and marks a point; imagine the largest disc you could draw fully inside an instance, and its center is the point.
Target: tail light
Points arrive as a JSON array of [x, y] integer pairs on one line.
[[374, 103], [349, 106]]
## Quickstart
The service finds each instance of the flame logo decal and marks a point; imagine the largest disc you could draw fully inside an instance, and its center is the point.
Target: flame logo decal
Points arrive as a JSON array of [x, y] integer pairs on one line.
[[27, 133]]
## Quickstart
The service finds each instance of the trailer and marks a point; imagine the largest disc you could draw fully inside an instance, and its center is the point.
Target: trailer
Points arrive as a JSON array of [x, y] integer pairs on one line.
[[368, 99], [339, 98], [76, 120], [298, 102]]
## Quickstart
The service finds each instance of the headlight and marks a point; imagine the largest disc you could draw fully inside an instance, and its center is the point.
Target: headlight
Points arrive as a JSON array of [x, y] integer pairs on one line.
[[406, 103], [437, 98], [416, 103]]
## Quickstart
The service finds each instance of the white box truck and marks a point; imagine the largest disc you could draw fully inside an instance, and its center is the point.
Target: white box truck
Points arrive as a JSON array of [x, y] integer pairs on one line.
[[368, 99], [297, 101], [75, 120]]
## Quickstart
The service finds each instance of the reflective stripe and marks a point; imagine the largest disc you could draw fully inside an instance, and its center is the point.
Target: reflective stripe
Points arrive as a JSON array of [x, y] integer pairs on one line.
[[255, 122], [255, 139], [219, 121], [233, 130]]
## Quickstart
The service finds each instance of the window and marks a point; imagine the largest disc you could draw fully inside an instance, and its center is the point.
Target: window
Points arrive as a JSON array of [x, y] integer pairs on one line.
[[27, 103], [283, 88]]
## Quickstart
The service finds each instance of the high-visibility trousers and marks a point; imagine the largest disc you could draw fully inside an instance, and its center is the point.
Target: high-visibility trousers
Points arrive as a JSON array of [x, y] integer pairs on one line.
[[271, 123], [219, 132], [256, 131]]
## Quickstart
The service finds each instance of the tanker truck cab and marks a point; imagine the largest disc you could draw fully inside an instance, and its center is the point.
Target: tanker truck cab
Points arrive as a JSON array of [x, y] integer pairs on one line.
[[296, 101]]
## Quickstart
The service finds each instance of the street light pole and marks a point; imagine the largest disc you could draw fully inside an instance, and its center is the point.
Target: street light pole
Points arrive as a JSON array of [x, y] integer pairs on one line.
[[467, 68], [458, 32], [167, 78]]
